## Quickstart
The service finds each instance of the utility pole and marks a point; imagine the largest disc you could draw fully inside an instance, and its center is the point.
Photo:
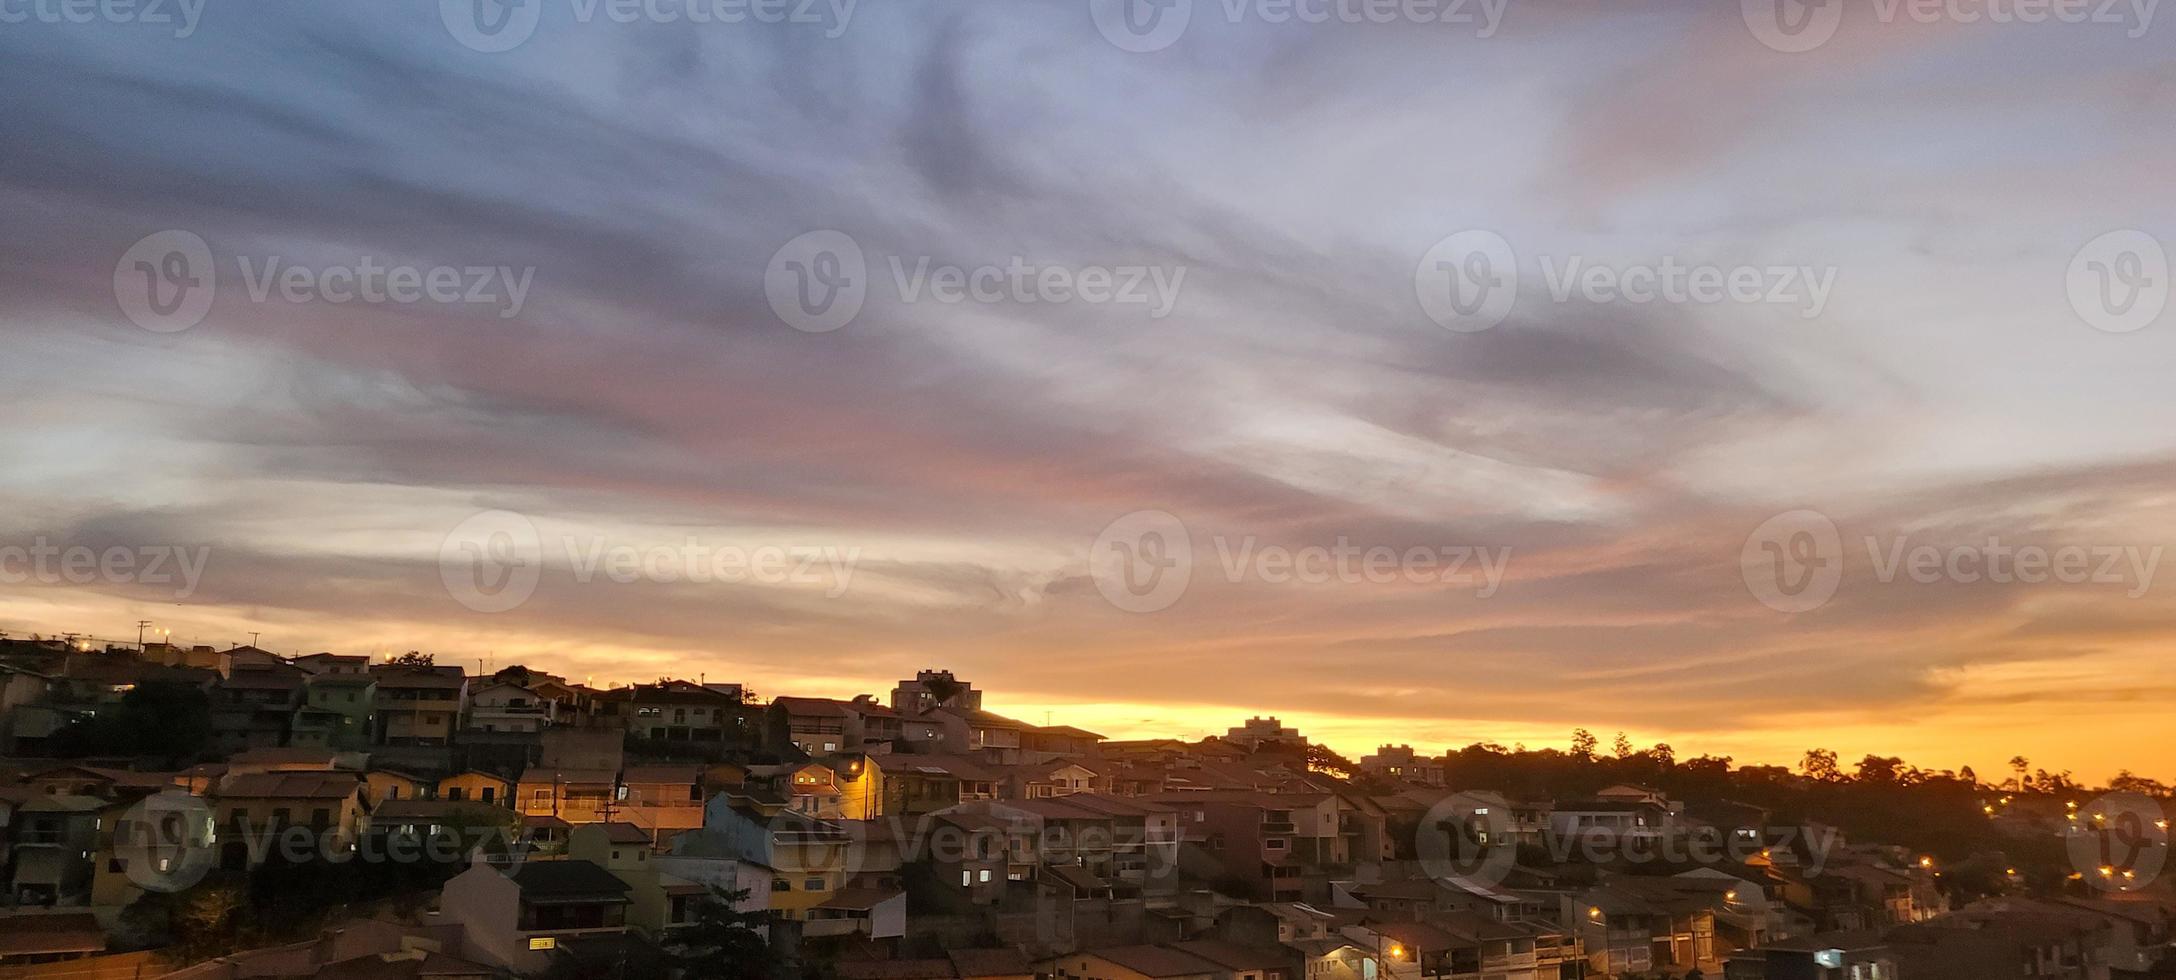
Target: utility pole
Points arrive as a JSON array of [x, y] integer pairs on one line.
[[253, 635], [141, 626]]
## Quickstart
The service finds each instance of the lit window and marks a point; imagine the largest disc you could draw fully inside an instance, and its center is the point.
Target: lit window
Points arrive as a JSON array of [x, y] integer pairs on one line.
[[543, 942]]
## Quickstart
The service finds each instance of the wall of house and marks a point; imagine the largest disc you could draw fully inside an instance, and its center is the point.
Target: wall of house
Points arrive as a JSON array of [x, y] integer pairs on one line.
[[488, 904]]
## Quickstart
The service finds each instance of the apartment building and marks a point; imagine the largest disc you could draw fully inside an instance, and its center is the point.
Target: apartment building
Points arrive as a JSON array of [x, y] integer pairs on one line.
[[418, 706]]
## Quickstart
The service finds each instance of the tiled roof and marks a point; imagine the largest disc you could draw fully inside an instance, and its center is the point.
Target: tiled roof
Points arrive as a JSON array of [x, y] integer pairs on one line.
[[1156, 961], [289, 785], [563, 880], [47, 934]]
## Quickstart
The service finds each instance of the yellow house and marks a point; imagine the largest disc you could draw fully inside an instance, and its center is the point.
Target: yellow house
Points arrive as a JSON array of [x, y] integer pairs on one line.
[[861, 786], [477, 786]]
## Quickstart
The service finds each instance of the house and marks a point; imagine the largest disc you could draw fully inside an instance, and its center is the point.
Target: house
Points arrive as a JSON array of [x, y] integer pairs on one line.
[[658, 901], [335, 712], [1401, 763], [255, 810], [574, 795], [319, 665], [916, 784], [477, 785], [1060, 740], [1256, 836], [1123, 847], [1862, 954], [501, 706], [674, 711], [1258, 732], [382, 784], [418, 706], [663, 797], [520, 917], [55, 840], [1042, 781], [983, 734], [932, 689], [1632, 924], [814, 726], [255, 706], [810, 860]]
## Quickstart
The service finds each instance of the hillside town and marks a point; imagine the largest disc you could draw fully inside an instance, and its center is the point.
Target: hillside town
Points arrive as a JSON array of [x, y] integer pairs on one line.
[[229, 813]]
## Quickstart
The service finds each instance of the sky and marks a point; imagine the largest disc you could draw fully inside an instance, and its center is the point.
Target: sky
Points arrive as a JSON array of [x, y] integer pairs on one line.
[[1149, 373]]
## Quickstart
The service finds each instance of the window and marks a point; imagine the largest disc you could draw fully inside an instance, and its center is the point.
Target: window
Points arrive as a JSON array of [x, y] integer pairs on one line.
[[489, 792], [814, 884], [967, 878], [985, 875], [454, 793], [781, 885]]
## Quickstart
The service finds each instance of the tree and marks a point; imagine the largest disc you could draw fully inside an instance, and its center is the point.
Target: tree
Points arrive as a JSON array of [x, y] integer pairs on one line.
[[1623, 746], [1664, 756], [724, 943], [414, 659], [1320, 758], [1820, 765], [1583, 744], [168, 721], [1881, 770], [2019, 764]]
